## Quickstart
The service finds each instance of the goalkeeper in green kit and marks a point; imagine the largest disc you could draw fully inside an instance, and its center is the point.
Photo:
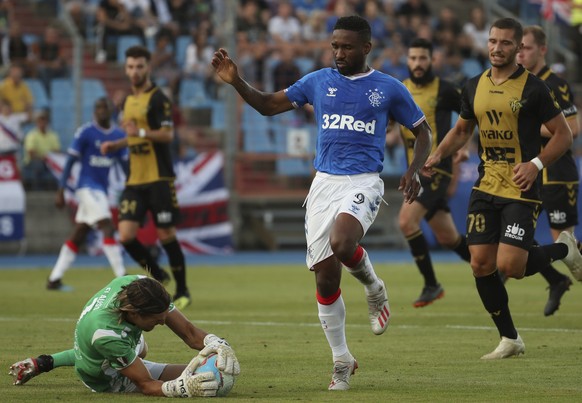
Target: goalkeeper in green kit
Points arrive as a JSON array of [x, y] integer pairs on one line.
[[109, 346]]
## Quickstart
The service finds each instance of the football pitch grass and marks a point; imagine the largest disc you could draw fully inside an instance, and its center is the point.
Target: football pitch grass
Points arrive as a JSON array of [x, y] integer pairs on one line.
[[268, 314]]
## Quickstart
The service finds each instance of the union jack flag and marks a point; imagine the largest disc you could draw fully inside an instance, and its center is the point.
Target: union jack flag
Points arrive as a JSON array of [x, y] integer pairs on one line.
[[204, 228]]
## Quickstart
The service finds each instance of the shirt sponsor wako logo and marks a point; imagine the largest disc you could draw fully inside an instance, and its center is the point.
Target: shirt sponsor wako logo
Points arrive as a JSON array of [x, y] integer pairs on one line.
[[514, 231], [347, 122]]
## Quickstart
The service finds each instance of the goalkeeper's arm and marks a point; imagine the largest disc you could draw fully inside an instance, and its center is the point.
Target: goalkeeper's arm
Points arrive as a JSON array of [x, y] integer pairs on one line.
[[198, 339], [177, 380]]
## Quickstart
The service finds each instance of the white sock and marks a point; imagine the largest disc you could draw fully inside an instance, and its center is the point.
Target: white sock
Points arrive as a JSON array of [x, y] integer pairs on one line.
[[66, 258], [365, 274], [333, 322], [113, 253]]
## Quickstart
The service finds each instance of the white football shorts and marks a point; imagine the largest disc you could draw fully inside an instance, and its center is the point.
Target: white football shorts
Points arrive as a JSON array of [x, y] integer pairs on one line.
[[93, 206], [329, 195]]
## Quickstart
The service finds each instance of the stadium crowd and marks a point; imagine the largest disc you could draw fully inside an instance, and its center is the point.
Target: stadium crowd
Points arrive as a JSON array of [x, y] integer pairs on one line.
[[277, 42]]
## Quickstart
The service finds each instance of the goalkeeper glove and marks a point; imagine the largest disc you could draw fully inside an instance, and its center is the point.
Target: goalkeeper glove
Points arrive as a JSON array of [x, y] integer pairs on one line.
[[226, 360], [189, 384], [23, 371], [198, 385]]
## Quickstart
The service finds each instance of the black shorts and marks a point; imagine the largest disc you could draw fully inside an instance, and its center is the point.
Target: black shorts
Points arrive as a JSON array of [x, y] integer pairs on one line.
[[157, 197], [492, 220], [434, 194], [561, 205]]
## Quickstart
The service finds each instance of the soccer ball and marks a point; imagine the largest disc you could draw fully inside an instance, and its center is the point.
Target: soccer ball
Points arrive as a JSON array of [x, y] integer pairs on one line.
[[225, 381]]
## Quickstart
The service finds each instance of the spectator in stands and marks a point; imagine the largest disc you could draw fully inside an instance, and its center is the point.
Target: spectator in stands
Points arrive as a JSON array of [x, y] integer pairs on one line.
[[478, 29], [51, 58], [447, 28], [113, 20], [165, 70], [160, 10], [392, 62], [16, 91], [314, 30], [14, 48], [304, 8], [38, 142], [197, 61], [411, 8], [373, 14], [11, 134], [6, 16], [250, 26], [140, 12], [284, 27], [340, 8], [83, 14], [286, 72], [180, 15], [254, 64]]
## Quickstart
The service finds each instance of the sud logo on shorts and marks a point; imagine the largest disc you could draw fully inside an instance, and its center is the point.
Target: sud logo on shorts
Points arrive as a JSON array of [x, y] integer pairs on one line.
[[514, 231]]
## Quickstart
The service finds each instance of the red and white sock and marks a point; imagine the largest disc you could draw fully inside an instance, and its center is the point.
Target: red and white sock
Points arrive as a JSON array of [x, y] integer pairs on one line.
[[332, 315], [67, 256], [112, 251]]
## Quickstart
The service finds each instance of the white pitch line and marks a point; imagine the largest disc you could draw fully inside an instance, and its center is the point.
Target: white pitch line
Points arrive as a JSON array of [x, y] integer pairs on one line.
[[315, 324]]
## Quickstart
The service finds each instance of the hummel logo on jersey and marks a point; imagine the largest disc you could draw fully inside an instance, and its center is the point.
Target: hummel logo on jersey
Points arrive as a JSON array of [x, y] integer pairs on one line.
[[514, 231], [557, 217], [375, 97], [331, 91], [494, 116], [347, 122]]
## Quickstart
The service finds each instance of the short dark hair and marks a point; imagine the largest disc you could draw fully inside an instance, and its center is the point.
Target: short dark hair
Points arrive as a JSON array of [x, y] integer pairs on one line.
[[509, 23], [538, 34], [138, 51], [422, 43], [144, 296], [357, 24]]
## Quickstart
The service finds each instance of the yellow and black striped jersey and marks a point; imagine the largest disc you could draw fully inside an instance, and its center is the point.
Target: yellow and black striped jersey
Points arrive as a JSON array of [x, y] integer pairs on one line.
[[437, 99], [564, 170], [149, 161], [509, 116]]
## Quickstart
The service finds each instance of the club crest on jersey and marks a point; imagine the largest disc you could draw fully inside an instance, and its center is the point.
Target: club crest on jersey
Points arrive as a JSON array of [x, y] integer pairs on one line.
[[375, 97], [515, 105], [331, 91]]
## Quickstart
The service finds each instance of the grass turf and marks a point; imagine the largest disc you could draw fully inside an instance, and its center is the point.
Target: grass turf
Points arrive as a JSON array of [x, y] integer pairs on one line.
[[269, 316]]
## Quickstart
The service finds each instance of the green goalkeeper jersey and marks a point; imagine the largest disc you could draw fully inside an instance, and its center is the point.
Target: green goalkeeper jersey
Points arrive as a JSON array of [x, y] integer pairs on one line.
[[104, 344]]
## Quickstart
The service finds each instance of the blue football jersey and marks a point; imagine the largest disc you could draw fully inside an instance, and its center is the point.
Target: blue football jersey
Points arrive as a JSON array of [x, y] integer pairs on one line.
[[86, 145], [352, 114]]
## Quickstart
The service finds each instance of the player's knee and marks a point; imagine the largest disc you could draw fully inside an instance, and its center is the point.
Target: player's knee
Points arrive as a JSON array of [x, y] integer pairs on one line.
[[342, 247]]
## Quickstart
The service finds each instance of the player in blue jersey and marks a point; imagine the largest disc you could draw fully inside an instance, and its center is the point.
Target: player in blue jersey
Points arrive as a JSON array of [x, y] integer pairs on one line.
[[93, 209], [353, 105]]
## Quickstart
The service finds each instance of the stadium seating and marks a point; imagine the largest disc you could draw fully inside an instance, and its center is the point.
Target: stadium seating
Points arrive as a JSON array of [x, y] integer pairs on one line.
[[305, 64], [294, 166], [182, 43], [123, 43], [62, 104], [192, 94], [257, 132], [41, 99]]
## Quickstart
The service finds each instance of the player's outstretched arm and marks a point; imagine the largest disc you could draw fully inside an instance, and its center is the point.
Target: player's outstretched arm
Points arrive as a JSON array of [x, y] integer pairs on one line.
[[410, 182], [266, 103], [455, 139]]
